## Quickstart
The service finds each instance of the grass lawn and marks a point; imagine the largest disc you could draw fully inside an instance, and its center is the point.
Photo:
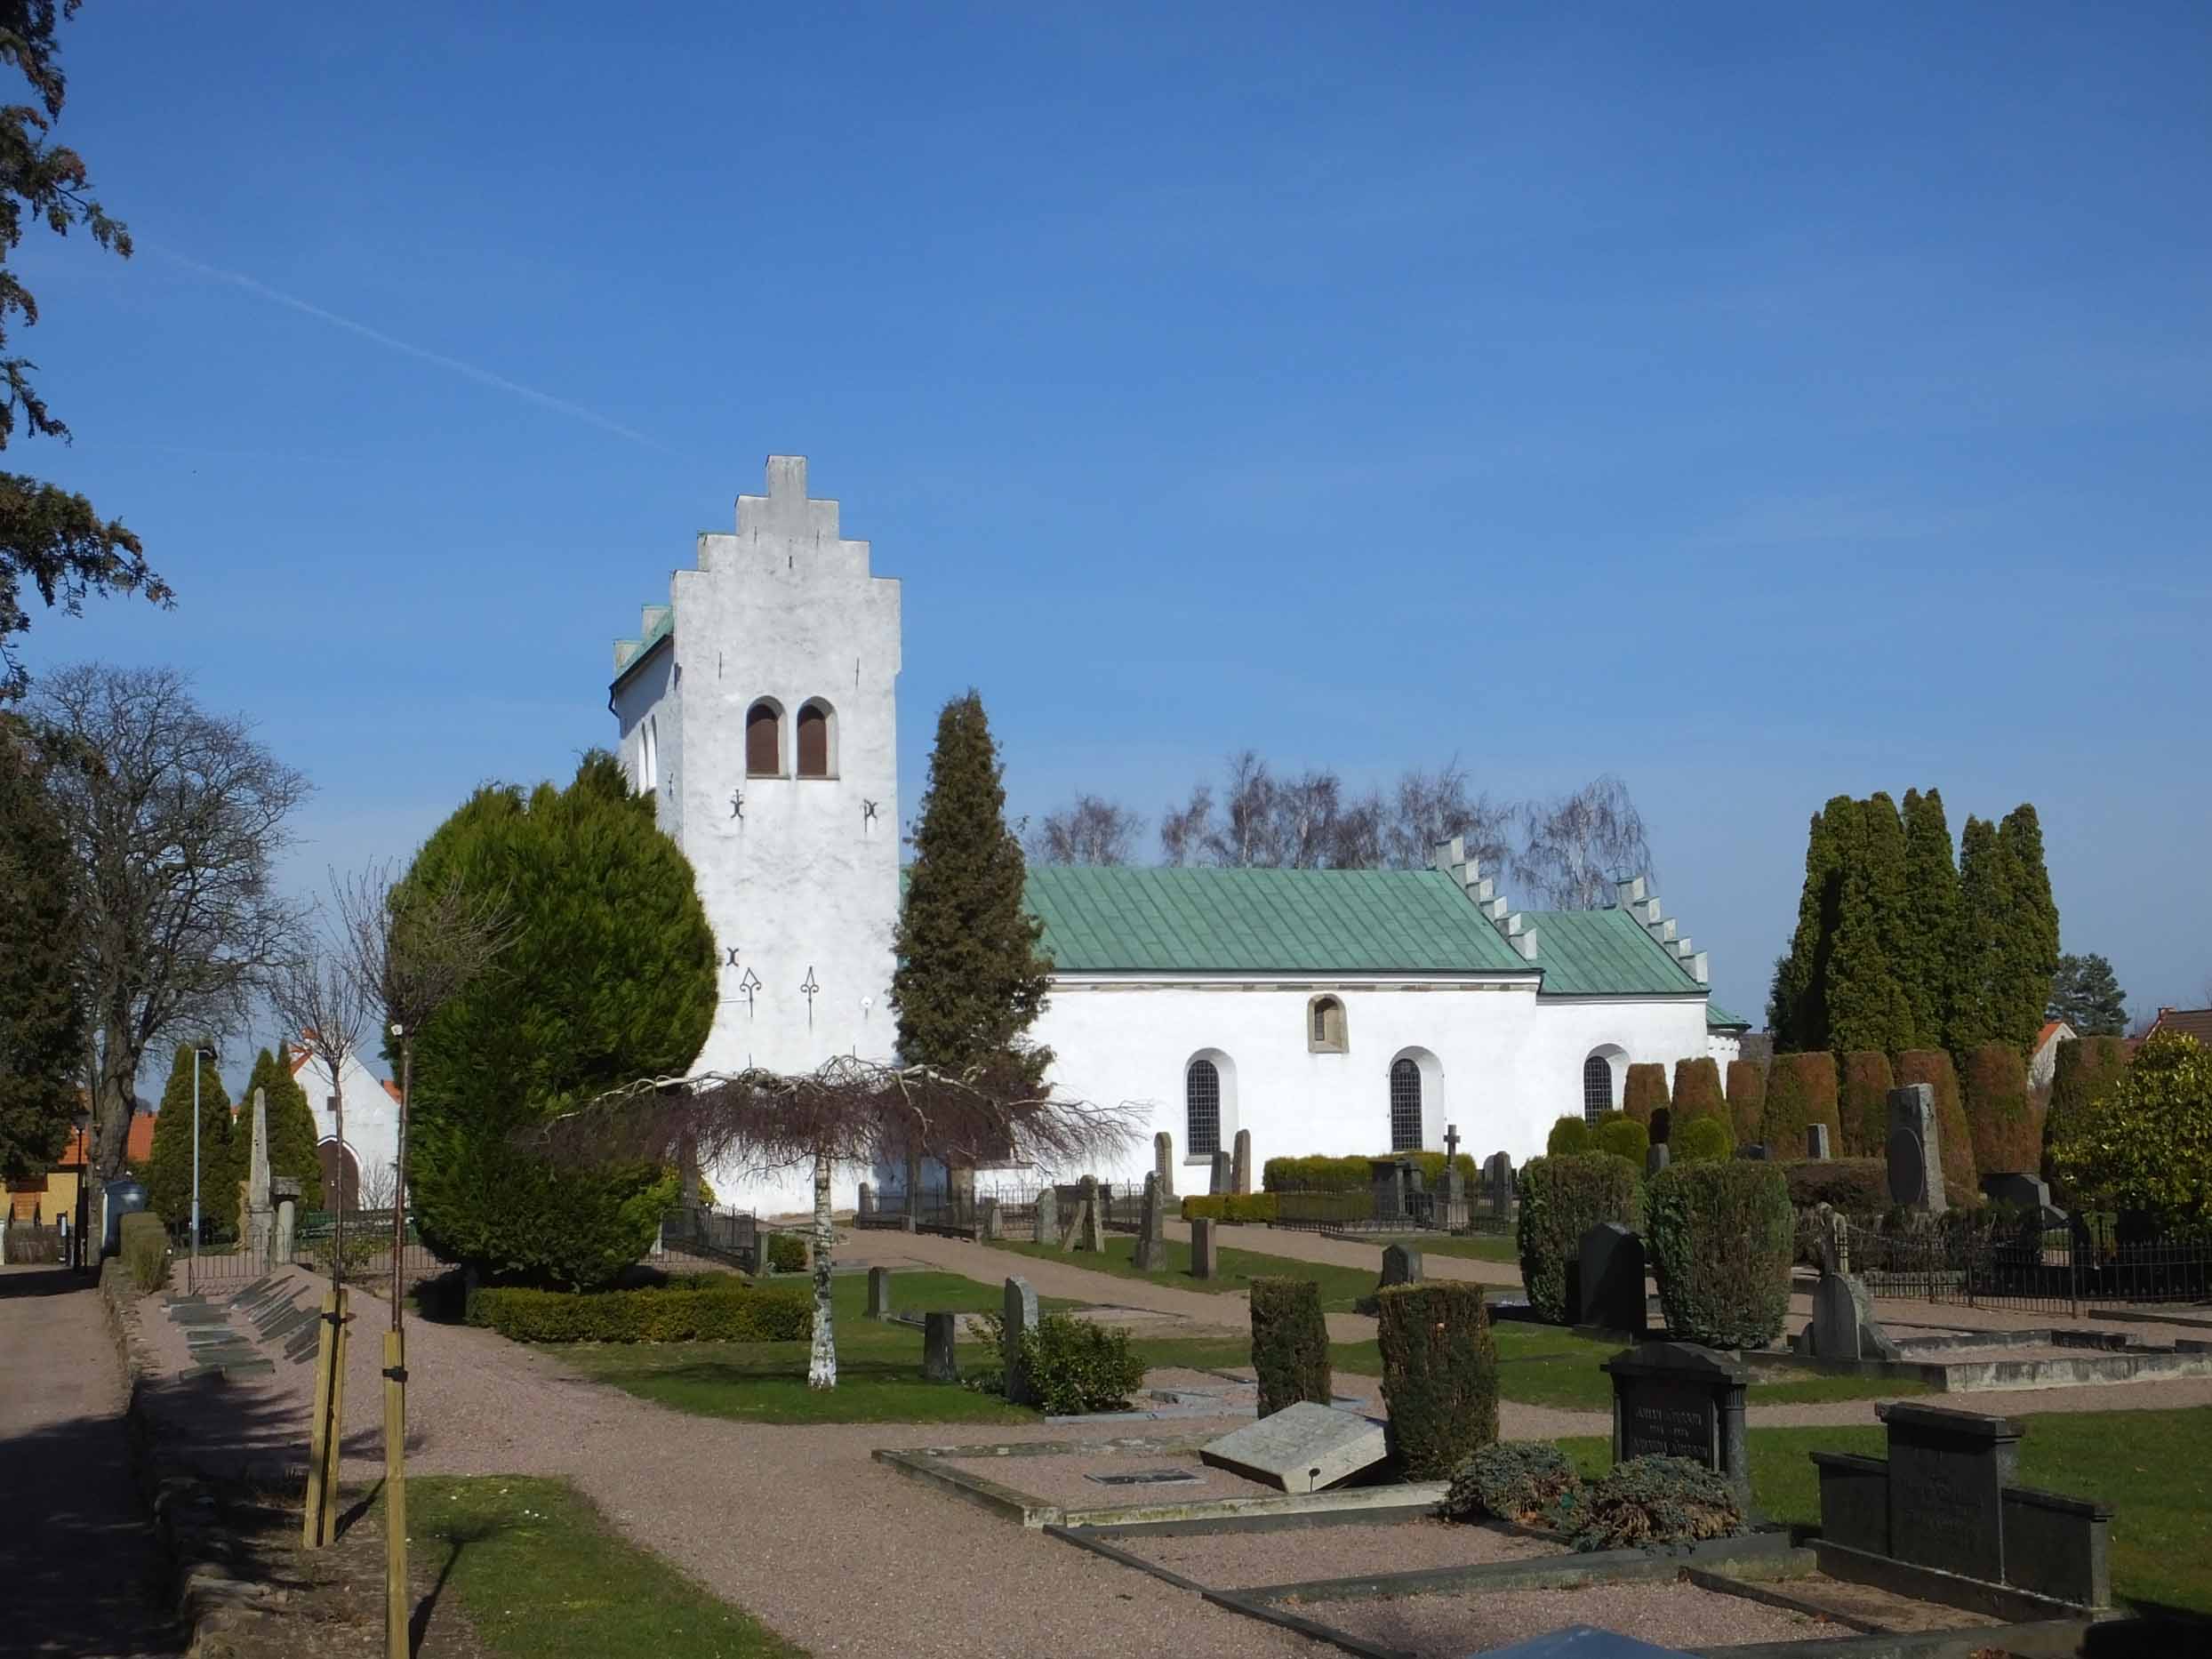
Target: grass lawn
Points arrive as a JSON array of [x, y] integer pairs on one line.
[[2153, 1467], [1473, 1246], [879, 1365], [1340, 1287], [540, 1575]]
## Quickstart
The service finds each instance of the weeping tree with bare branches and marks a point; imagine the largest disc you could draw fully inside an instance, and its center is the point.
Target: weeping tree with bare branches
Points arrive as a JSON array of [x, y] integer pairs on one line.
[[850, 1113]]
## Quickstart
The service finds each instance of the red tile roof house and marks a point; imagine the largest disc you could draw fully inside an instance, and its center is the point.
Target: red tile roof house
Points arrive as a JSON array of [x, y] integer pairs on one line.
[[2195, 1022], [2043, 1057]]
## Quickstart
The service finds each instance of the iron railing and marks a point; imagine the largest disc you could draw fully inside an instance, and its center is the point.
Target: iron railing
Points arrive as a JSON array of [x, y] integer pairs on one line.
[[2033, 1267]]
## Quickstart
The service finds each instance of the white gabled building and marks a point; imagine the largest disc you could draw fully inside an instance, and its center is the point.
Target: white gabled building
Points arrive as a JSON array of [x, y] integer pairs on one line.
[[369, 1155], [1326, 1011]]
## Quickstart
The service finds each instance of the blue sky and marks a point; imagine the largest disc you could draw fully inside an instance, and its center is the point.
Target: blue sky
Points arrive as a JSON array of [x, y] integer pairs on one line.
[[1758, 402]]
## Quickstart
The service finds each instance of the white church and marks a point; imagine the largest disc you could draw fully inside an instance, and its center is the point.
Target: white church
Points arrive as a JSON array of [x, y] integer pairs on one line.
[[1338, 1012]]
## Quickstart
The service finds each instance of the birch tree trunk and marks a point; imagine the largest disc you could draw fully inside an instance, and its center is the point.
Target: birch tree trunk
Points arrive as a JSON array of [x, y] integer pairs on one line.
[[821, 1366]]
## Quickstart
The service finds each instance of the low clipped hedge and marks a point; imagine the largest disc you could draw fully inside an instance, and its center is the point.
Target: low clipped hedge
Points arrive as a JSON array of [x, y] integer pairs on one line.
[[1701, 1138], [1229, 1206], [1351, 1174], [1569, 1138], [1722, 1237], [1800, 1092], [1622, 1135], [1561, 1199], [1439, 1375], [720, 1313], [144, 1247], [1864, 1105], [1857, 1186], [1290, 1343], [2008, 1135]]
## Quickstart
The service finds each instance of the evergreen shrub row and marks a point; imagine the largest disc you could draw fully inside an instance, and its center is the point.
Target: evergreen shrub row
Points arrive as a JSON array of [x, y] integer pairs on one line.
[[1645, 1092], [1561, 1199], [787, 1253], [1697, 1092], [145, 1247], [731, 1313], [1290, 1343], [1867, 1081], [1351, 1174], [1722, 1237], [1747, 1099], [1230, 1206], [2007, 1137], [1800, 1092], [2081, 1074], [1439, 1375], [1857, 1186]]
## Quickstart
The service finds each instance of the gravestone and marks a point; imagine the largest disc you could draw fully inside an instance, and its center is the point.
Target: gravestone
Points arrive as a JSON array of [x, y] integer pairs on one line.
[[1915, 1150], [1018, 1319], [284, 1189], [1151, 1251], [1401, 1265], [1948, 1470], [1756, 1151], [1497, 1173], [1816, 1141], [1304, 1447], [1387, 1177], [987, 1223], [1844, 1326], [2021, 1191], [1221, 1174], [1610, 1284], [1655, 1160], [1206, 1255], [1677, 1399], [1094, 1218], [878, 1293], [1240, 1165], [1047, 1215], [868, 1199], [938, 1363], [1163, 1163], [260, 1214]]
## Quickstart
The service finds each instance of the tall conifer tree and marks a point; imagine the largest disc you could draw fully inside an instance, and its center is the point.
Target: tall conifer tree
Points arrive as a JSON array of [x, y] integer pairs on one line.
[[42, 1024], [292, 1130], [2026, 957], [1867, 1005], [969, 980], [1983, 891], [169, 1170], [1928, 957], [1797, 1009]]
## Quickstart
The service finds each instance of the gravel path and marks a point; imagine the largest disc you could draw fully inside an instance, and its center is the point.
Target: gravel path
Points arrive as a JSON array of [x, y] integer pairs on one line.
[[1309, 1246], [1238, 1561], [1671, 1615], [77, 1557]]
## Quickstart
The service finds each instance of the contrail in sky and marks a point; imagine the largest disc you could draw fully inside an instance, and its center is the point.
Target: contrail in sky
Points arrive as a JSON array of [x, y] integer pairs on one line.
[[483, 377]]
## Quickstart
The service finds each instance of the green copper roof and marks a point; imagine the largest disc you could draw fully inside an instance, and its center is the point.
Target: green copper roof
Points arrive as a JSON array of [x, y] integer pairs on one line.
[[1132, 919], [1605, 953], [1718, 1018]]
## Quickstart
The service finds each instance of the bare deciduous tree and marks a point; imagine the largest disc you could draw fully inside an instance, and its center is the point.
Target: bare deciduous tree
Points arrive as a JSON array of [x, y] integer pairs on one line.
[[316, 996], [1313, 821], [1431, 807], [175, 818], [1574, 848], [1182, 828], [849, 1112], [1089, 831]]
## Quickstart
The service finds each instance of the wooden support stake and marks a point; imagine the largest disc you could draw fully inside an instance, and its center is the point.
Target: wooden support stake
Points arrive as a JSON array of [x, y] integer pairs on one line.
[[326, 1433], [397, 1601]]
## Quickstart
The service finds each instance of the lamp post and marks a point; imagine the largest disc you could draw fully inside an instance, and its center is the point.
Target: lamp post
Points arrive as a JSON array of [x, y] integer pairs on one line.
[[200, 1051]]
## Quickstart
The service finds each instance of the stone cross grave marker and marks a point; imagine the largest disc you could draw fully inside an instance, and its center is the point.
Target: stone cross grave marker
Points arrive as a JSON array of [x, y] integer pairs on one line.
[[1915, 1148], [1677, 1399], [1206, 1255], [878, 1293], [1240, 1163], [1610, 1282], [1018, 1319], [1220, 1174], [1401, 1265], [1151, 1252], [938, 1363], [1304, 1447], [1163, 1163], [1816, 1141]]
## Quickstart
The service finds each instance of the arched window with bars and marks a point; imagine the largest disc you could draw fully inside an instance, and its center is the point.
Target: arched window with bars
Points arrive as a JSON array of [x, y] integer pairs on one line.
[[763, 739], [1597, 1087], [1405, 1106], [1202, 1108]]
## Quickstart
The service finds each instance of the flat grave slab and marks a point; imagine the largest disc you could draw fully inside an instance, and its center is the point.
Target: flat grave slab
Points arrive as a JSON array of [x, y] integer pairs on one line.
[[191, 1313], [1305, 1447], [1662, 1618], [1068, 1479], [1228, 1560]]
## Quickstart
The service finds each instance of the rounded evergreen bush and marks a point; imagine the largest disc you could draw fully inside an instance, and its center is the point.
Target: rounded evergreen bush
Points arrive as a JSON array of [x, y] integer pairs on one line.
[[2007, 1138], [1701, 1138], [1622, 1136], [1561, 1199], [1962, 1177], [1650, 1501], [1439, 1375], [2143, 1144], [1645, 1092], [1721, 1236], [1747, 1099], [1528, 1482], [1800, 1092], [1865, 1105], [1569, 1138], [787, 1253], [1290, 1343]]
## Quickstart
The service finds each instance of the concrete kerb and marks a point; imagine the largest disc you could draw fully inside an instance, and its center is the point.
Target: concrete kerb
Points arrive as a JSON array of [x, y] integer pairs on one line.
[[1569, 1570]]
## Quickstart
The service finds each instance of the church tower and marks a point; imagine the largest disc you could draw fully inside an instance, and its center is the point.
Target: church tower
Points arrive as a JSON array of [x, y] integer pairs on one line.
[[759, 708]]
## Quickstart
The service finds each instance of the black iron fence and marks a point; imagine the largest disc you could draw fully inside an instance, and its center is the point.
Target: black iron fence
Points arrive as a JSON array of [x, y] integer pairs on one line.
[[2067, 1266], [27, 1242], [1364, 1211], [224, 1258], [731, 1236]]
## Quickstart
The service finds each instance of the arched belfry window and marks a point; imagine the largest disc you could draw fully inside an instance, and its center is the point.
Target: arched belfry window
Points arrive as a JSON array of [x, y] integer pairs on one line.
[[1405, 1106], [1202, 1108], [1325, 1026], [764, 740], [1597, 1087], [814, 756]]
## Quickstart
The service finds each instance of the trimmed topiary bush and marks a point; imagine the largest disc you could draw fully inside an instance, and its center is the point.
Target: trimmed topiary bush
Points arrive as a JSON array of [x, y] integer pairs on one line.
[[1561, 1199], [1700, 1139], [1350, 1174], [1249, 1207], [2080, 1073], [727, 1312], [1800, 1092], [1650, 1501], [1529, 1482], [1865, 1108], [1962, 1176], [144, 1246], [1644, 1093], [1622, 1136], [1569, 1138], [1747, 1099], [1290, 1342], [1857, 1186], [2007, 1136], [1721, 1237], [1697, 1093], [1439, 1375], [787, 1253]]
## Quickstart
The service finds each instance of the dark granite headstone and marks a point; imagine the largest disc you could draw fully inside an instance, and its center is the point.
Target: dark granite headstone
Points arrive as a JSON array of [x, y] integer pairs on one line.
[[1948, 1470], [2059, 1546], [1915, 1148], [1223, 1177], [1854, 1500], [1401, 1265], [1206, 1251], [2022, 1192], [1756, 1151], [1610, 1283], [937, 1363], [1677, 1399], [878, 1293], [1017, 1319]]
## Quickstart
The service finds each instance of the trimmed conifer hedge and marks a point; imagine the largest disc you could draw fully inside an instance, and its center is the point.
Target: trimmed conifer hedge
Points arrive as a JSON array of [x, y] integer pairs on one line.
[[1290, 1343], [1747, 1099], [1722, 1237], [1439, 1375], [730, 1312], [1865, 1105], [1962, 1176], [1350, 1174], [1569, 1138], [2007, 1136], [2082, 1070], [1644, 1093], [1800, 1092], [1857, 1186], [1561, 1199], [1697, 1092], [1622, 1135], [1250, 1207], [1701, 1138]]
